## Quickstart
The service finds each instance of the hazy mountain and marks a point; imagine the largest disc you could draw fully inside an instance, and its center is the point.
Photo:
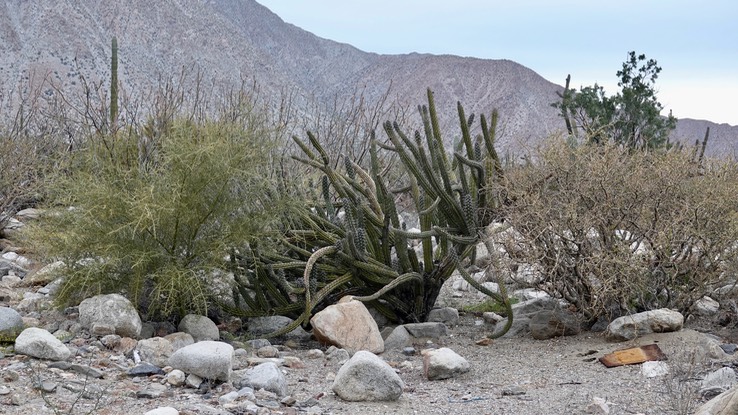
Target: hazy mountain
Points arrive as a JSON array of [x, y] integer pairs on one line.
[[230, 41]]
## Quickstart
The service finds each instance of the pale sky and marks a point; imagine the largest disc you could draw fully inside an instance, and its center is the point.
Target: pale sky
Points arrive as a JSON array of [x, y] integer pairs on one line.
[[695, 42]]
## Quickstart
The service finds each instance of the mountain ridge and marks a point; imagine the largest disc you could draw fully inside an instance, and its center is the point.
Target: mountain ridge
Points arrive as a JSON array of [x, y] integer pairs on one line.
[[234, 40]]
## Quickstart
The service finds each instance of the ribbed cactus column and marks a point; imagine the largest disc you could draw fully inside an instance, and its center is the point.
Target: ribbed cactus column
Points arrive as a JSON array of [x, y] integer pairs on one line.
[[353, 243]]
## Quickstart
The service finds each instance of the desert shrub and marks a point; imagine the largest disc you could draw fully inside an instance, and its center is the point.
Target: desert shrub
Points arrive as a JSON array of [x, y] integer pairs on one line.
[[30, 149], [158, 228], [610, 229]]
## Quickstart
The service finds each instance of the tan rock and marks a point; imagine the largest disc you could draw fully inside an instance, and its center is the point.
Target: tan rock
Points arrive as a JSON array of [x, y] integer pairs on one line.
[[348, 325]]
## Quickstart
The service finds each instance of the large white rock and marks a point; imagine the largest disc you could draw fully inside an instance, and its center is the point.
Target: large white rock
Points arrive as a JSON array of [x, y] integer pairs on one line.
[[110, 310], [206, 359], [366, 377], [199, 327], [443, 363], [41, 344], [654, 321], [265, 376], [348, 325]]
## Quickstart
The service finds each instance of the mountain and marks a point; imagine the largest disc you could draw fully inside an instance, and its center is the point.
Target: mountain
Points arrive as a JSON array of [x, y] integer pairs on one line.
[[233, 41]]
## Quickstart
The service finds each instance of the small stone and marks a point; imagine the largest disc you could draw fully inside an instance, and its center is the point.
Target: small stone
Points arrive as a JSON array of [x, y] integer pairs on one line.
[[729, 348], [484, 342], [87, 371], [409, 351], [268, 351], [176, 377], [110, 341], [10, 375], [153, 391], [444, 363], [47, 386], [335, 354], [193, 381], [427, 330], [257, 344], [513, 391], [293, 362], [652, 369], [228, 398], [102, 329], [447, 315], [145, 369], [314, 354], [288, 401], [126, 346], [4, 390]]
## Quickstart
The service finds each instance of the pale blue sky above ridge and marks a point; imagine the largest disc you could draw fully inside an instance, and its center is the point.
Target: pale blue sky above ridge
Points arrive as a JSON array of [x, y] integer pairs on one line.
[[696, 43]]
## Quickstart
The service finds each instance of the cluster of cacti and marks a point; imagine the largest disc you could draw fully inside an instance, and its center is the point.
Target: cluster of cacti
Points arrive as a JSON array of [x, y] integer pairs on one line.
[[354, 243]]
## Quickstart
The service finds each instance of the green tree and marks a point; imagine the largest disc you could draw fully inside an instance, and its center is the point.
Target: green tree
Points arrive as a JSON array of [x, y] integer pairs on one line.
[[631, 117]]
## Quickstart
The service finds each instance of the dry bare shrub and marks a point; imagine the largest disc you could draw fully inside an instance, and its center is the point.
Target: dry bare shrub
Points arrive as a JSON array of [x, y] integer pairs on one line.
[[611, 229], [30, 146]]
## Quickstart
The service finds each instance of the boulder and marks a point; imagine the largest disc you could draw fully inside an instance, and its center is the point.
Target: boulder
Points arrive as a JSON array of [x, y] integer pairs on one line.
[[366, 377], [206, 359], [110, 310], [156, 350], [348, 325], [654, 321], [199, 327], [724, 404], [443, 363], [548, 324], [265, 376], [524, 311], [11, 324], [41, 344]]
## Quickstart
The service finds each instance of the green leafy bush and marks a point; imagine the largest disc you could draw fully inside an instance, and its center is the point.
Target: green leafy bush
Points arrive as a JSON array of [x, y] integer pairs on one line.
[[609, 229], [158, 228]]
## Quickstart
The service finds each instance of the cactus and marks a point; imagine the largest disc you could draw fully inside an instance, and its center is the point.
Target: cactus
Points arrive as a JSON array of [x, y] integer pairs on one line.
[[368, 254], [114, 84]]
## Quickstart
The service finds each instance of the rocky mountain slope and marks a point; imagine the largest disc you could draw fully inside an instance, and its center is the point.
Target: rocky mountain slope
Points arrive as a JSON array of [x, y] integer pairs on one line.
[[232, 41]]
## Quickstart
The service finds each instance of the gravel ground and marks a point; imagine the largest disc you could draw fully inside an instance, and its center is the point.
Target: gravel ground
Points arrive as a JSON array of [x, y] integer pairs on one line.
[[511, 376], [517, 375]]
